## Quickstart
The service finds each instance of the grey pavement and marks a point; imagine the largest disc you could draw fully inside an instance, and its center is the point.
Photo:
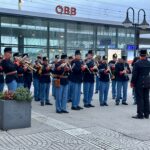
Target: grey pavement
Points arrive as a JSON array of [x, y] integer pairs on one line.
[[99, 128]]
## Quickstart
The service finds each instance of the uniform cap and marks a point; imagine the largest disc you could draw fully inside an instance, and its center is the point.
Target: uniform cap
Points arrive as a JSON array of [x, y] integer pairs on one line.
[[143, 52], [105, 57], [115, 55], [63, 56], [8, 50], [45, 59], [16, 54], [77, 52]]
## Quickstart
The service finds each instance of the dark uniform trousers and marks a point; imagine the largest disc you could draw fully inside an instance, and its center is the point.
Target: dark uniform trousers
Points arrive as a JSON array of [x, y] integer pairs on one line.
[[142, 97]]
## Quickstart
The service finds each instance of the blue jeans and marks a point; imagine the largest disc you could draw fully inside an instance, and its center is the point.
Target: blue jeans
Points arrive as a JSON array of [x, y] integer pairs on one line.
[[19, 85], [53, 88], [103, 94], [120, 85], [76, 93], [97, 84], [36, 85], [114, 83], [88, 92], [44, 92], [12, 86], [70, 90], [1, 87], [61, 97]]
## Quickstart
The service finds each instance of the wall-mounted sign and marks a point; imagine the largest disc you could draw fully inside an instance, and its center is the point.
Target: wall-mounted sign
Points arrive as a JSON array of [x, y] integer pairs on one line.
[[131, 47], [66, 10]]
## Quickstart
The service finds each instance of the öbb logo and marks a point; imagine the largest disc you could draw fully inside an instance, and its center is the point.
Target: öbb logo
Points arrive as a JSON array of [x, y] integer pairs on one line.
[[66, 10]]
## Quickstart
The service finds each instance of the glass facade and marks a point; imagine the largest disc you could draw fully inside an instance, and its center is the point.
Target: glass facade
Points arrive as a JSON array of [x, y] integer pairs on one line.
[[50, 37]]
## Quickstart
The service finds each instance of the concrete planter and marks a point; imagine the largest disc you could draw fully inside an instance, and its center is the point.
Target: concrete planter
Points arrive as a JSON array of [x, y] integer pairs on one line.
[[14, 115]]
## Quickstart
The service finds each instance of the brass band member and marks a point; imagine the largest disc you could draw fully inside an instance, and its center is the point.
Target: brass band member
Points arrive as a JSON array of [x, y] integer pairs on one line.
[[45, 82], [27, 74], [36, 76], [61, 84], [104, 81], [20, 70], [88, 80], [9, 70], [112, 64]]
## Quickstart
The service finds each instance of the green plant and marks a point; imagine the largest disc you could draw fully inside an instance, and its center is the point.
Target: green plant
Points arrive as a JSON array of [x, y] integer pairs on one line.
[[23, 94]]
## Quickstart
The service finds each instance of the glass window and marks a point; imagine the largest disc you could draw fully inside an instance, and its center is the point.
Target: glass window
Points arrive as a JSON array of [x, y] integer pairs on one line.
[[80, 36]]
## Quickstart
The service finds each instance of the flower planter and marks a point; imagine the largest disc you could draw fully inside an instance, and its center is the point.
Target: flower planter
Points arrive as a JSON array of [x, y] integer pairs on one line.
[[14, 115]]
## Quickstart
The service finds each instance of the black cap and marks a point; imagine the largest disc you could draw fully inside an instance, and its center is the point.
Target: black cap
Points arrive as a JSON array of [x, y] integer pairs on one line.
[[45, 59], [39, 57], [77, 52], [25, 54], [90, 52], [63, 56], [143, 52], [105, 57], [115, 55], [56, 56], [16, 54], [8, 50], [124, 57]]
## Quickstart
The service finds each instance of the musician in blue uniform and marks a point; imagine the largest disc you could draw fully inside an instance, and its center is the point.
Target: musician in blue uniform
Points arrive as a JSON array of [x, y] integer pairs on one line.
[[76, 79], [27, 75], [1, 75], [45, 82], [113, 79], [20, 70], [36, 77], [104, 81], [53, 79], [9, 70], [122, 78], [61, 84], [88, 80]]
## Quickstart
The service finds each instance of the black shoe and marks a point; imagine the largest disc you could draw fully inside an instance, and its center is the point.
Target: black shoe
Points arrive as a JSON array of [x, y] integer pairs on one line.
[[146, 116], [120, 97], [138, 117], [59, 112], [86, 106], [117, 103], [79, 107], [90, 105], [42, 103], [75, 108], [65, 111], [48, 103], [124, 103], [81, 92], [101, 104], [105, 104], [96, 92]]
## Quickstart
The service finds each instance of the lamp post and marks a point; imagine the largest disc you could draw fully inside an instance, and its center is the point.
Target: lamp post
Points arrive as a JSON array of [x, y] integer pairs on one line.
[[127, 23]]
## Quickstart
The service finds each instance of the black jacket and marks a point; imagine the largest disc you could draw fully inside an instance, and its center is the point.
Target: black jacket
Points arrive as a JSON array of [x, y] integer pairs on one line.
[[141, 68], [119, 68], [76, 74], [87, 76]]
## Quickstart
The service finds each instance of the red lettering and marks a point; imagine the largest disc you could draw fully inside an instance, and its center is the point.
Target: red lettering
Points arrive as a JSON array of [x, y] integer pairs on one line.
[[59, 9], [66, 10], [73, 11]]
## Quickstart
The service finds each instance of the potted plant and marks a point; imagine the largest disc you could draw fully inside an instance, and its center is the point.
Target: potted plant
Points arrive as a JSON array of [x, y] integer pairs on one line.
[[15, 109]]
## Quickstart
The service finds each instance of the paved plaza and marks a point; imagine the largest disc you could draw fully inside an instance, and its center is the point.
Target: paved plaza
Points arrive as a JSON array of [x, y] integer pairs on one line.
[[99, 128]]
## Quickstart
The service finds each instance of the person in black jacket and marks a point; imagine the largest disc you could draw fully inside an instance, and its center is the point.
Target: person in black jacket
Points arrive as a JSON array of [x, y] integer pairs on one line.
[[9, 69], [61, 84], [104, 82], [27, 75], [141, 70], [122, 78], [1, 75], [76, 79], [45, 82], [20, 70], [112, 64], [88, 80]]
